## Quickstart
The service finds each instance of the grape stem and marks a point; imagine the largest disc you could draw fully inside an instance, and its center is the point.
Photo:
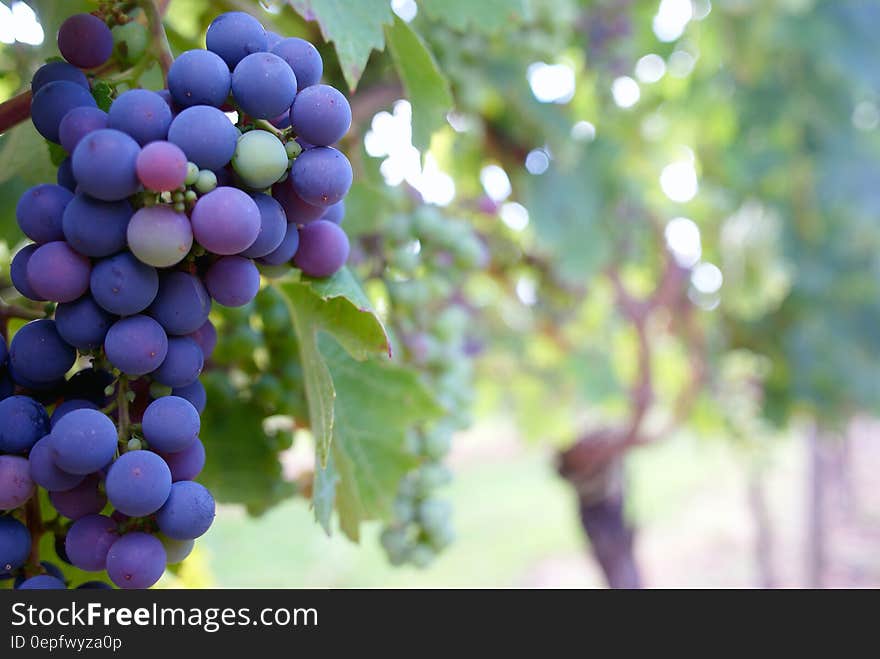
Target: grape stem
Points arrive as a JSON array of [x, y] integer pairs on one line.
[[15, 311], [35, 528], [124, 421], [15, 110], [160, 46], [265, 125]]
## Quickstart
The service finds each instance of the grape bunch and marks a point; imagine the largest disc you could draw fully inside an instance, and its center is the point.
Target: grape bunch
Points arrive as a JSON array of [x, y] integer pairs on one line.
[[166, 202], [428, 258]]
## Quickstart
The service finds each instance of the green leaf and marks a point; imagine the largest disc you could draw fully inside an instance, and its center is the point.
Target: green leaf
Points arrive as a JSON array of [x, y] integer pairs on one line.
[[103, 94], [485, 16], [426, 86], [355, 28], [377, 402], [24, 154], [339, 307]]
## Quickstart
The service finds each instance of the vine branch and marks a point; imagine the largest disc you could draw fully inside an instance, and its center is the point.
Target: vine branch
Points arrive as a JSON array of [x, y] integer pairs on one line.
[[160, 46], [15, 110]]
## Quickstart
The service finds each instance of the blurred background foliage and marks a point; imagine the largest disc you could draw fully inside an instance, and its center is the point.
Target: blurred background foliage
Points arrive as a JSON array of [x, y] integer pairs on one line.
[[590, 226]]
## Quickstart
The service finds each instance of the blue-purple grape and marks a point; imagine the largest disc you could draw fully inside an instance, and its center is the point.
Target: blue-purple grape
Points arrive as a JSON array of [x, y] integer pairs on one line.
[[226, 221], [138, 483], [18, 273], [320, 115], [182, 365], [273, 226], [78, 123], [42, 582], [233, 281], [303, 58], [25, 422], [188, 512], [58, 273], [335, 213], [176, 550], [123, 285], [88, 541], [67, 406], [45, 472], [187, 464], [235, 35], [96, 228], [321, 176], [170, 424], [86, 498], [65, 177], [105, 165], [53, 101], [205, 135], [39, 354], [263, 85], [52, 71], [83, 323], [323, 249], [296, 209], [206, 337], [16, 485], [136, 560], [85, 41], [182, 305], [199, 77], [286, 250], [136, 345], [15, 543], [39, 212], [141, 113], [83, 441]]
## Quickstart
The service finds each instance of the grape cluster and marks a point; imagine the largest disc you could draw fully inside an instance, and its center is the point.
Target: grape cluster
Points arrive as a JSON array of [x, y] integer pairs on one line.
[[427, 257], [162, 207]]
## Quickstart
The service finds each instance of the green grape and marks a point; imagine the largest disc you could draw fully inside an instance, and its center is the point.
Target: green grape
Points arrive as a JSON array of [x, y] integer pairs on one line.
[[192, 173], [437, 444], [274, 271], [434, 513], [422, 555], [206, 181], [159, 390], [260, 159], [395, 541], [441, 537], [433, 476], [403, 510], [293, 149], [130, 43]]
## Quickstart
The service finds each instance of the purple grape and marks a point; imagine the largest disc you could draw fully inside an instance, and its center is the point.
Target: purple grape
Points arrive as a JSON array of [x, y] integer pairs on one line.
[[45, 472], [94, 585], [321, 176], [96, 228], [183, 364], [136, 560], [42, 582], [83, 441], [199, 77], [187, 464], [18, 272], [160, 236], [81, 500], [206, 136], [303, 58], [136, 345], [272, 38], [286, 250], [233, 281], [273, 226], [68, 406], [39, 354], [85, 41], [16, 485], [51, 571], [141, 113], [166, 96], [195, 394], [53, 101], [138, 483], [123, 285], [226, 221], [56, 272], [182, 304], [15, 544], [65, 177], [161, 166], [104, 164], [206, 337], [323, 249], [188, 512], [263, 85], [88, 541], [78, 123], [170, 424], [24, 422], [295, 208], [39, 212], [82, 323], [235, 35], [320, 115], [53, 71], [335, 213]]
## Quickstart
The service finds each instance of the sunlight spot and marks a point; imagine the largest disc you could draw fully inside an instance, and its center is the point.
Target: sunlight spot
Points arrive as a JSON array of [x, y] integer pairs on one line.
[[865, 116], [679, 181], [707, 278], [495, 182], [405, 9], [537, 162], [583, 131], [672, 18], [626, 91], [650, 68], [681, 63], [551, 83], [683, 240], [515, 215]]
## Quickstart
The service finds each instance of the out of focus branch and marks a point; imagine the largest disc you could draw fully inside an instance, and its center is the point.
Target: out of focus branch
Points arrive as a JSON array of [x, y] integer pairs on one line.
[[160, 46], [15, 110]]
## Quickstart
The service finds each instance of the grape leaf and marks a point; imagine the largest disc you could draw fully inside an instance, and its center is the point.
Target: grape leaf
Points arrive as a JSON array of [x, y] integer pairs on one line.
[[377, 402], [339, 307], [486, 16], [355, 28], [426, 86]]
